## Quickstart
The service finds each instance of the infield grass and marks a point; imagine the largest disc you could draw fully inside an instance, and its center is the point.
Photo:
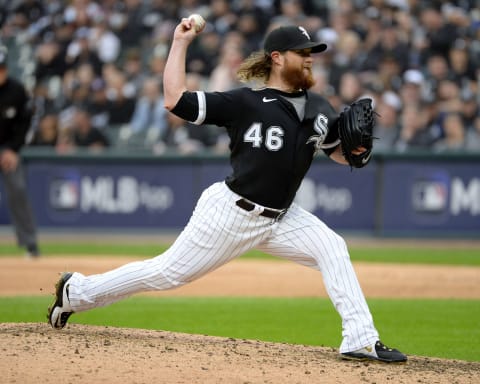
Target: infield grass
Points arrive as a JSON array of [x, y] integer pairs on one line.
[[437, 328], [369, 254]]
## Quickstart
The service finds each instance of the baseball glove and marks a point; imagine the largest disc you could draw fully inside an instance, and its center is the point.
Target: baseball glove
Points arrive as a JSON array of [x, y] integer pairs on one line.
[[355, 128]]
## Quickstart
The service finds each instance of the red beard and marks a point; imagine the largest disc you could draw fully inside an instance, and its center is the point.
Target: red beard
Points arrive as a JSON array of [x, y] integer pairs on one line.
[[297, 78]]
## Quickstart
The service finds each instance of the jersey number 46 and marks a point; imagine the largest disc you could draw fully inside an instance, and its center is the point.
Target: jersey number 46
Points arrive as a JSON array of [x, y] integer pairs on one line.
[[273, 136]]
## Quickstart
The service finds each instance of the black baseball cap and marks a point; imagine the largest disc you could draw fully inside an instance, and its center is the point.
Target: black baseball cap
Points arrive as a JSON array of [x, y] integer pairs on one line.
[[291, 37], [3, 56]]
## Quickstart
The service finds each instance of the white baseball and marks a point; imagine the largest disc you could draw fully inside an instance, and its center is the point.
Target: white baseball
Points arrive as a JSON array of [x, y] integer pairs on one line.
[[198, 22]]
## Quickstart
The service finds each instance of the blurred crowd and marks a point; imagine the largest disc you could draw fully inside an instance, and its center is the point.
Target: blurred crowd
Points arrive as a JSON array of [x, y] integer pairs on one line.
[[94, 68]]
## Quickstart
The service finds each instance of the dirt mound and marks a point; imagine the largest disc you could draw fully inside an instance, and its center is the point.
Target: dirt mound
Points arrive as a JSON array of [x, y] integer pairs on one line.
[[35, 353]]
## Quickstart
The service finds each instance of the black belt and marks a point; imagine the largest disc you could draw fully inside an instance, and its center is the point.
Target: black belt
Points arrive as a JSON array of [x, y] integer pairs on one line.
[[270, 213]]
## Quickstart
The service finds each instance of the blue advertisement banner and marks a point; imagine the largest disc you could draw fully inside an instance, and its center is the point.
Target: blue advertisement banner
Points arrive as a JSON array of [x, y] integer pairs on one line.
[[164, 195], [435, 197], [399, 196], [342, 198], [112, 195]]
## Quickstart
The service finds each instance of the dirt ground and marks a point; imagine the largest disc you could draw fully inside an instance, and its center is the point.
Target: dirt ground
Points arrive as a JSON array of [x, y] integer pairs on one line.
[[261, 278], [34, 353]]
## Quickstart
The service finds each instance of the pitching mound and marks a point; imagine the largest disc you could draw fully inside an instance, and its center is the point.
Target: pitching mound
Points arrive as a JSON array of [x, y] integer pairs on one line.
[[35, 353]]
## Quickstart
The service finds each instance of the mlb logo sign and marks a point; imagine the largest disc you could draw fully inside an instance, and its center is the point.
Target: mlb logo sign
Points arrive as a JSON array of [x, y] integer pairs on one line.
[[429, 196], [64, 194]]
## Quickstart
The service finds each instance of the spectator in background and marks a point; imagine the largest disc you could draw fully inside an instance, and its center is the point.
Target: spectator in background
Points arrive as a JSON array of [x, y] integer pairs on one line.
[[179, 136], [80, 52], [120, 95], [448, 96], [204, 54], [156, 62], [47, 132], [260, 12], [84, 134], [407, 23], [97, 104], [463, 69], [436, 71], [186, 138], [387, 125], [221, 17], [81, 12], [15, 116], [341, 18], [45, 99], [84, 77], [75, 89], [186, 7], [103, 41], [130, 23], [470, 109], [62, 31], [439, 34], [368, 39], [290, 12], [50, 60], [349, 57], [224, 75], [28, 11], [162, 11], [388, 44], [249, 28], [414, 133], [473, 136], [133, 69], [321, 85], [350, 88], [371, 29], [453, 134], [412, 88], [150, 113], [388, 75]]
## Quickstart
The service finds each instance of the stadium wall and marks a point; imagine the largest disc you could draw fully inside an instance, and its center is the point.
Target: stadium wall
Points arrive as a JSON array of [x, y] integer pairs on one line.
[[419, 194]]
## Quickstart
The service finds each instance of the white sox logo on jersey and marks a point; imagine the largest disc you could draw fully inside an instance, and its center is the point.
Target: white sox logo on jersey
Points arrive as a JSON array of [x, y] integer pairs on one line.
[[320, 125]]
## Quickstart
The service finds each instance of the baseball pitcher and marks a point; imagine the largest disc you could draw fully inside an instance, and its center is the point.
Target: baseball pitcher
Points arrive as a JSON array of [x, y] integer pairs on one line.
[[275, 131]]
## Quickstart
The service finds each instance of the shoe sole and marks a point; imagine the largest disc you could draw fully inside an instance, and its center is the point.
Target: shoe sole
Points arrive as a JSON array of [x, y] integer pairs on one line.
[[59, 301], [372, 359]]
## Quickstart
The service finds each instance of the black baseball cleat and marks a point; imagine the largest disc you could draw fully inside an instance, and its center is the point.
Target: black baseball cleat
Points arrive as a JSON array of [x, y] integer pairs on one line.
[[378, 352], [60, 310], [32, 251]]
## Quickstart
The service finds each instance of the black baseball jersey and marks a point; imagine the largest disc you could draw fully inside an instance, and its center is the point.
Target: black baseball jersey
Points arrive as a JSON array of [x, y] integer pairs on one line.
[[271, 146], [15, 114]]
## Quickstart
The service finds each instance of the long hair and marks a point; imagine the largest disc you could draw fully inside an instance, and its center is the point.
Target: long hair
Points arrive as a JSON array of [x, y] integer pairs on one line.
[[257, 67]]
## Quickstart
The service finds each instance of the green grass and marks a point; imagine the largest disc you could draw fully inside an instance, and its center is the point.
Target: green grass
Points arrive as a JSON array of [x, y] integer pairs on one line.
[[81, 248], [417, 255], [368, 254], [440, 328]]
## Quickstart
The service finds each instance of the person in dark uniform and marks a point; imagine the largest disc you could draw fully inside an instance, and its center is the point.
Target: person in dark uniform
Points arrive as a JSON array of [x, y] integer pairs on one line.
[[275, 131], [15, 117]]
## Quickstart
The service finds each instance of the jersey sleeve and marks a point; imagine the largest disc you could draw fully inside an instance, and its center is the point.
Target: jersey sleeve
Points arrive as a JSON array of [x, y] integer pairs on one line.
[[218, 108], [333, 138]]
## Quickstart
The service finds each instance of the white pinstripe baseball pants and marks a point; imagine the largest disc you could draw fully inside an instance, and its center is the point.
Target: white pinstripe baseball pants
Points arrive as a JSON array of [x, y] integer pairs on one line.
[[219, 231]]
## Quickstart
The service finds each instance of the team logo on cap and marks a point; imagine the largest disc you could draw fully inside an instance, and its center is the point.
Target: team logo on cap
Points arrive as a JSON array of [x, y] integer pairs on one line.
[[304, 32]]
